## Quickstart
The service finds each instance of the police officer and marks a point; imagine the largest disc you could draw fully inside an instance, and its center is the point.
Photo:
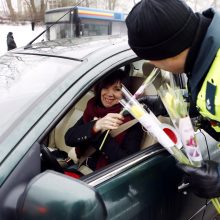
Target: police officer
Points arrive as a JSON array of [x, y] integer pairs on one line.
[[174, 38]]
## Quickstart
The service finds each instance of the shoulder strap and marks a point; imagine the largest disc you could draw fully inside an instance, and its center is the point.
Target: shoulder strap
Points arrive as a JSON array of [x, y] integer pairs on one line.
[[123, 127], [90, 150]]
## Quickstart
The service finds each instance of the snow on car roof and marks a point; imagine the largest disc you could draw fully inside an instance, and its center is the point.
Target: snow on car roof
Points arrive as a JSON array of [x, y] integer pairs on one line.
[[73, 48]]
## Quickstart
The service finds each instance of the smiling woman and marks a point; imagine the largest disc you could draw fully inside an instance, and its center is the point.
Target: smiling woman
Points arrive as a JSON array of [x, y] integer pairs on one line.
[[111, 94]]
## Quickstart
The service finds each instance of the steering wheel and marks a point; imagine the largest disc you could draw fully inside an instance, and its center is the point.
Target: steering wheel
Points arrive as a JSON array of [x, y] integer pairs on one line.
[[50, 159]]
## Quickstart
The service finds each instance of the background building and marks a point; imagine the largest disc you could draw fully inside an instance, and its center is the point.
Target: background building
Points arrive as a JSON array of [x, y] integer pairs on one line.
[[33, 10]]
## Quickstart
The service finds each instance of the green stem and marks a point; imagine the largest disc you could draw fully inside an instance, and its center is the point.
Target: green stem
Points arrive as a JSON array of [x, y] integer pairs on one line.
[[103, 141], [216, 204], [180, 156]]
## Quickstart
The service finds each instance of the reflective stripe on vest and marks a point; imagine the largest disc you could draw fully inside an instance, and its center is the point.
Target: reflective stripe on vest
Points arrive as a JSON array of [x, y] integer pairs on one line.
[[208, 99]]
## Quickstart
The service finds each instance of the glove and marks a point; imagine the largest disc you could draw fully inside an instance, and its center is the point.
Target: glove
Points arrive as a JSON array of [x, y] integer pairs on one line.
[[154, 103], [204, 180]]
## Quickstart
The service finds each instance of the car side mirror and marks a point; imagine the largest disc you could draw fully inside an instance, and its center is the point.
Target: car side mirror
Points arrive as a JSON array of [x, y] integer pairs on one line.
[[51, 195]]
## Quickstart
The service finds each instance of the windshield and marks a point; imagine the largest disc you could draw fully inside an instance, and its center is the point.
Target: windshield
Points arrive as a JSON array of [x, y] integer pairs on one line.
[[24, 81]]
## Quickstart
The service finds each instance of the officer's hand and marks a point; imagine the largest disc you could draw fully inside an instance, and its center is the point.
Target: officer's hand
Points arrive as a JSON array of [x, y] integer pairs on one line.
[[205, 180], [154, 103]]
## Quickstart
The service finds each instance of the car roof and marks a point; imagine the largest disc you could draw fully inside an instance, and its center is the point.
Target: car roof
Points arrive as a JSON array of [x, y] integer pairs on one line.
[[74, 48], [93, 50]]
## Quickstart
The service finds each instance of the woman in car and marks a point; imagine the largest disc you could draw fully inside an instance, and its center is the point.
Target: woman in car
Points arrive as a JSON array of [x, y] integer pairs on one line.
[[101, 114]]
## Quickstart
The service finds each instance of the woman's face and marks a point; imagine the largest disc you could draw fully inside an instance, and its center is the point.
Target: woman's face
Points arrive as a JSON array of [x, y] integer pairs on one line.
[[111, 94]]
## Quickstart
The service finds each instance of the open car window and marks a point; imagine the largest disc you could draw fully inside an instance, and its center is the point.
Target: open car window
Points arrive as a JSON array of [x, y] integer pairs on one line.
[[138, 72]]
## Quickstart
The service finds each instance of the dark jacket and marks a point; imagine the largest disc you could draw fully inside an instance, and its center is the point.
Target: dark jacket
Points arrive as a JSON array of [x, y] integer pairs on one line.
[[81, 135], [206, 55], [10, 41], [202, 53]]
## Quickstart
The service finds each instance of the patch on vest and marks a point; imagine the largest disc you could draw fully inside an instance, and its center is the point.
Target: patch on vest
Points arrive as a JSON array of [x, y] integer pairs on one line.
[[210, 97]]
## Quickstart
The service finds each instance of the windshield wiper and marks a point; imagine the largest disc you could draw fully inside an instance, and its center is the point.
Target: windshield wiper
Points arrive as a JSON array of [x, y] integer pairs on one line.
[[29, 45]]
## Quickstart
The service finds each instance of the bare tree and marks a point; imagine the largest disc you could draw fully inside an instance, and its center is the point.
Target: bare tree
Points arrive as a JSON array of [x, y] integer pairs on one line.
[[195, 5], [87, 3], [64, 3], [94, 3], [43, 6], [30, 13], [33, 10], [33, 7], [36, 14], [111, 4], [214, 3], [11, 10]]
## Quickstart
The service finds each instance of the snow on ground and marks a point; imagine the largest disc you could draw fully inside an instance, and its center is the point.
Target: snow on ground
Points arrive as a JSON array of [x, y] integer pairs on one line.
[[23, 34]]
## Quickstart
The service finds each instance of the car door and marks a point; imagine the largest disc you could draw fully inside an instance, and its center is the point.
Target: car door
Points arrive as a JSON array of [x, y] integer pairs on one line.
[[145, 186]]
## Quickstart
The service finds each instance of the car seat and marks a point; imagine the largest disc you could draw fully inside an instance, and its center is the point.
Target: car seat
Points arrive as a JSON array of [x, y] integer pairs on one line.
[[56, 137]]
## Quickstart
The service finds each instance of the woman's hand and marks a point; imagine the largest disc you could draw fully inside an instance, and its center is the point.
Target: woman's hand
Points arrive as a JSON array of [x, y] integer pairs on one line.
[[109, 122]]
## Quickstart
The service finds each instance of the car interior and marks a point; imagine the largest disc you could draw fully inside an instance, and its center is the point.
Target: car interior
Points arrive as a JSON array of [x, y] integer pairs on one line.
[[56, 155]]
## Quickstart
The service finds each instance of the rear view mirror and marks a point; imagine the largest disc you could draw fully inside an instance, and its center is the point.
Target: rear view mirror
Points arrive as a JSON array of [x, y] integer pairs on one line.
[[51, 195]]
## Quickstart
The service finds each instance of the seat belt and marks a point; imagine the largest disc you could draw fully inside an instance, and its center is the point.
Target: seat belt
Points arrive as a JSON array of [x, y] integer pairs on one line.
[[91, 150], [123, 127]]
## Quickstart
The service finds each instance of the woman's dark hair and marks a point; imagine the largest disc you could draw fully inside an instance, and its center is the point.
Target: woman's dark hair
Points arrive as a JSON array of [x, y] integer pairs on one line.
[[117, 75]]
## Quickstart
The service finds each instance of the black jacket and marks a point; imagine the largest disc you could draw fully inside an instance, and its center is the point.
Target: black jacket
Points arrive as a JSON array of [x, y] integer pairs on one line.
[[80, 135], [200, 57], [10, 41]]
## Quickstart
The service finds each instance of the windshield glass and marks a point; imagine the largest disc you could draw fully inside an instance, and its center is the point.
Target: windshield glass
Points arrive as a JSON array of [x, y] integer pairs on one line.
[[24, 81]]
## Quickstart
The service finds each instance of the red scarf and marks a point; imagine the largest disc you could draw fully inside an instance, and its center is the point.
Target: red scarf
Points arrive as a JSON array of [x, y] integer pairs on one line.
[[93, 110]]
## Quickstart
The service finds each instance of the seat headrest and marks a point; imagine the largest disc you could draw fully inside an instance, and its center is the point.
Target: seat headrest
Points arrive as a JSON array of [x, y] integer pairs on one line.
[[147, 68], [134, 83]]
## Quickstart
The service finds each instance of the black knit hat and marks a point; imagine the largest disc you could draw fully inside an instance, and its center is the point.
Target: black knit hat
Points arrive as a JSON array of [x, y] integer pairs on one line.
[[159, 29]]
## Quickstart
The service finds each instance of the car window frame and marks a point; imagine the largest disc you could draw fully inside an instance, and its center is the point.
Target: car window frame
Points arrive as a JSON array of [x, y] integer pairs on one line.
[[59, 106]]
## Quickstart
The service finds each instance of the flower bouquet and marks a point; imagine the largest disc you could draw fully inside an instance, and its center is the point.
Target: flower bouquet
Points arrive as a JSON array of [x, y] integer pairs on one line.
[[150, 122], [177, 109], [146, 83]]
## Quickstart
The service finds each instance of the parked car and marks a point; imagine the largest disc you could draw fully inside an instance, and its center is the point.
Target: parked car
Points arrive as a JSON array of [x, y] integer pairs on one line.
[[44, 89]]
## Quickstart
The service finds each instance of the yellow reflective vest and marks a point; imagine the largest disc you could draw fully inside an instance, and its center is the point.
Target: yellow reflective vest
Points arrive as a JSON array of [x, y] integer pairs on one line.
[[208, 99], [204, 80]]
